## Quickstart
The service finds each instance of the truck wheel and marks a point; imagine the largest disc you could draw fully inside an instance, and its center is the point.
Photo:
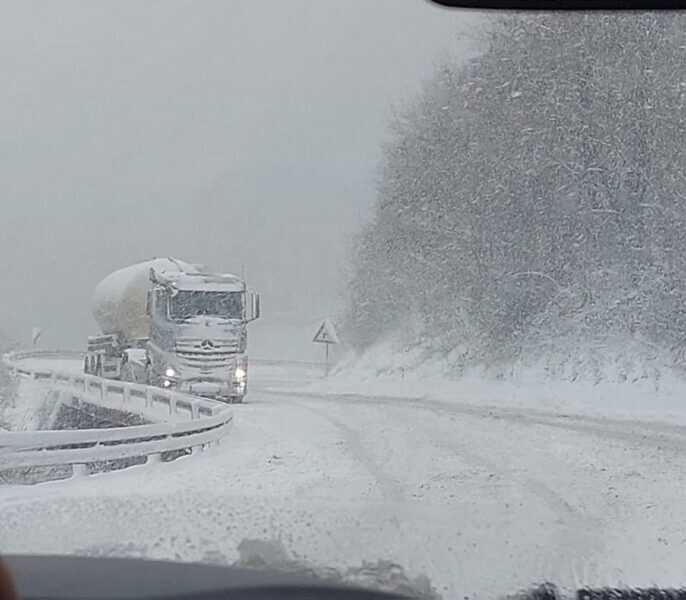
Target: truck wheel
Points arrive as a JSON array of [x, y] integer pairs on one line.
[[127, 373], [98, 366], [86, 364]]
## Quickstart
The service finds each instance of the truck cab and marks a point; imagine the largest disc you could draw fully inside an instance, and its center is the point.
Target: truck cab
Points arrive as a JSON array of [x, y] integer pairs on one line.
[[198, 333]]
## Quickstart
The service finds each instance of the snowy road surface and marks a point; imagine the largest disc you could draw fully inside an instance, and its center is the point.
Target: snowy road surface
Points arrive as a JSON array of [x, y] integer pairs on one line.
[[482, 501]]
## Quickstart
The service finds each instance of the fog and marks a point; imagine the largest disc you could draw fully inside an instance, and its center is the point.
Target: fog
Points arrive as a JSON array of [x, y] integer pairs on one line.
[[243, 135]]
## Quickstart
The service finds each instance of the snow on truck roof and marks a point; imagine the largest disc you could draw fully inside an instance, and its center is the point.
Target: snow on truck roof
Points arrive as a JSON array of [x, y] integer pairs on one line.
[[207, 282]]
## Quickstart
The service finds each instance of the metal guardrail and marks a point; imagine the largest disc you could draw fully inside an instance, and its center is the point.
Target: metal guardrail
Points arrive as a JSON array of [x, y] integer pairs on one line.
[[180, 421], [12, 357]]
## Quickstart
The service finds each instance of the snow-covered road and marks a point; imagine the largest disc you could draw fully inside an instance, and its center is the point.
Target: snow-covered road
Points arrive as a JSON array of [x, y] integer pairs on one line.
[[483, 501]]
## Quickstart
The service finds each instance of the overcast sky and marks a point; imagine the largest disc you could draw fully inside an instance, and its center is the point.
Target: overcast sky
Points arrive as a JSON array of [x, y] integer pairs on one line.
[[229, 133]]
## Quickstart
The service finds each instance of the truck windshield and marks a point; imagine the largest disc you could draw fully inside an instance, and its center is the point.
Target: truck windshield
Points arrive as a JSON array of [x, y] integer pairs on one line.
[[187, 304]]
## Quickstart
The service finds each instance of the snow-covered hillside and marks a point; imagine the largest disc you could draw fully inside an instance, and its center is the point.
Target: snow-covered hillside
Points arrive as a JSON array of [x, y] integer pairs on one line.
[[530, 202], [614, 388]]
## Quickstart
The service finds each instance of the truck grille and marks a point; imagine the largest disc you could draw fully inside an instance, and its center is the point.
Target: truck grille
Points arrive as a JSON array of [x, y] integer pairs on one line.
[[206, 354]]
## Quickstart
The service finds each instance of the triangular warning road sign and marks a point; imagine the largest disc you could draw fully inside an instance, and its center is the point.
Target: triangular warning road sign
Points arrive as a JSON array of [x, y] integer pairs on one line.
[[326, 334]]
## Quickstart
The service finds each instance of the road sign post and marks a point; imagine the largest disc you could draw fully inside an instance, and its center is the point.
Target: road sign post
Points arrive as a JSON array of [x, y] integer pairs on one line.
[[326, 334], [36, 332]]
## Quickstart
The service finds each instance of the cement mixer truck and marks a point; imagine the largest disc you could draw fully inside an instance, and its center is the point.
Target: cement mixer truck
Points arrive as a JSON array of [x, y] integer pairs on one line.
[[168, 323]]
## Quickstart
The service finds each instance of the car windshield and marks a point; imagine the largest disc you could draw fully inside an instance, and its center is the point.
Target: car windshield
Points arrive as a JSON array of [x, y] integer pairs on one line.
[[186, 304], [458, 368]]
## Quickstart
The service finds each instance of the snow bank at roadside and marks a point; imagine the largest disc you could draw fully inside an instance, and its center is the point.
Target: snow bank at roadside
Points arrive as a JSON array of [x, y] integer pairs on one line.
[[387, 370], [29, 407], [25, 404]]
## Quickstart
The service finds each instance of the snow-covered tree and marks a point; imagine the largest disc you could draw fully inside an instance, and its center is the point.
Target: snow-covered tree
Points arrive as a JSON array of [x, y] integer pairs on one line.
[[537, 191]]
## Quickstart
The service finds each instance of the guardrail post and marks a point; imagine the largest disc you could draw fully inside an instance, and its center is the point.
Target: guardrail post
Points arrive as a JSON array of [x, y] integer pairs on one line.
[[79, 470], [172, 404], [153, 459], [126, 396], [148, 397]]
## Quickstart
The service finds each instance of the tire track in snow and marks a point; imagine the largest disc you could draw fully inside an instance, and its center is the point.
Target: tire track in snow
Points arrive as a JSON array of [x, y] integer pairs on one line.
[[389, 487], [576, 532], [447, 442], [668, 435], [556, 502], [607, 510], [574, 539]]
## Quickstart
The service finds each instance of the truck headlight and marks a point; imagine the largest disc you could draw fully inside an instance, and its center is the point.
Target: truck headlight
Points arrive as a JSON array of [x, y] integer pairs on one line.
[[239, 374], [170, 372]]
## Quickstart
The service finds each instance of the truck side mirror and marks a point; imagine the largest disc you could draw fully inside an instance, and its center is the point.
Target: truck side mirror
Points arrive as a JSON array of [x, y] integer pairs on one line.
[[252, 309]]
